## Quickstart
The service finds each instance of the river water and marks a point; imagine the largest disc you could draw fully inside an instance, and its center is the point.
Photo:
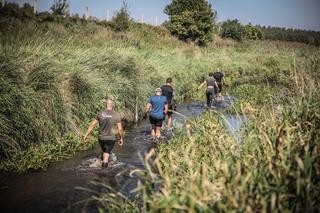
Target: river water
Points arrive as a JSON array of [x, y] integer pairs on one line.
[[60, 188]]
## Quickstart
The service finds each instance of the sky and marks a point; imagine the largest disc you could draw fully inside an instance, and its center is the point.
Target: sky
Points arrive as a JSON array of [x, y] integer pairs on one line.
[[301, 14]]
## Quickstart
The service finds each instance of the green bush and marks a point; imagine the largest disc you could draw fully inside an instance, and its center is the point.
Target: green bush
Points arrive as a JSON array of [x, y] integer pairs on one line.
[[233, 29], [253, 33], [191, 20], [121, 21], [60, 7]]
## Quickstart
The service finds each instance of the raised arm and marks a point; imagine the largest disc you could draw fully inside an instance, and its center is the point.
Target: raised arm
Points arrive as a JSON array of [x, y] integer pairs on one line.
[[92, 125], [216, 84]]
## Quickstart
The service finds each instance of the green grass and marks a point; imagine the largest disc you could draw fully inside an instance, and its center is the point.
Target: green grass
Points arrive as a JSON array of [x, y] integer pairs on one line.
[[203, 169], [54, 76]]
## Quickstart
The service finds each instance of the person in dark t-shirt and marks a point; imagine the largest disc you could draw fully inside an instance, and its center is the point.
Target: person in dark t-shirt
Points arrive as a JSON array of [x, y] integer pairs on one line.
[[110, 130], [211, 83], [218, 75], [168, 91]]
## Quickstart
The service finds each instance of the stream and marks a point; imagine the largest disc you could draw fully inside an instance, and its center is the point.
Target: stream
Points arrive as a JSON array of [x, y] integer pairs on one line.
[[59, 188]]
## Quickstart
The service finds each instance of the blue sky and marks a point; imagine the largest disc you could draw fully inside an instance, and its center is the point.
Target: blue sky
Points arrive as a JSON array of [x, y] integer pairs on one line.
[[302, 14]]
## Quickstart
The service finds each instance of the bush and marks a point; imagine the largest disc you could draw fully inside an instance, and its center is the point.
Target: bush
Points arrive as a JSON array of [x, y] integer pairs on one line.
[[252, 32], [121, 21], [191, 20], [233, 29], [60, 7]]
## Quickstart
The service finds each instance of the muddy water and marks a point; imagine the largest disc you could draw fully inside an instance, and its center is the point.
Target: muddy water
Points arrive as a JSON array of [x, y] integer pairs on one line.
[[60, 188]]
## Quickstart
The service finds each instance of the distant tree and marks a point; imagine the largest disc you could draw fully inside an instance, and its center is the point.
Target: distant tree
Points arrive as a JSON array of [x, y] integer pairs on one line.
[[232, 29], [121, 21], [60, 7], [252, 32], [191, 20], [27, 10], [295, 35]]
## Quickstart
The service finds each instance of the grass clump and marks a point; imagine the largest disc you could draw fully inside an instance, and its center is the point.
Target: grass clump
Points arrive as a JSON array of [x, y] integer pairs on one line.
[[52, 85], [276, 169]]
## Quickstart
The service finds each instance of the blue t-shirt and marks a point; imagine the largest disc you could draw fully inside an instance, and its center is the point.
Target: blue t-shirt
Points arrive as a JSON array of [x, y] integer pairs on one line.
[[157, 103]]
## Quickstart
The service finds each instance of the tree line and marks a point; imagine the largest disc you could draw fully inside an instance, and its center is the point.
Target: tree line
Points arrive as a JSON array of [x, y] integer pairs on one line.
[[189, 20], [294, 35]]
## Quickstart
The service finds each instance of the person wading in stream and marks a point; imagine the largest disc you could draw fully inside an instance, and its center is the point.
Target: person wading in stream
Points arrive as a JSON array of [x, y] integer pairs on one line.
[[218, 75], [158, 108], [110, 130], [168, 91], [211, 83]]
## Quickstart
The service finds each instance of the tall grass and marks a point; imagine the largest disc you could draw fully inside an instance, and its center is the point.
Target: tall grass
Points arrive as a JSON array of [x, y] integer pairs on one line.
[[54, 76], [52, 87], [276, 168]]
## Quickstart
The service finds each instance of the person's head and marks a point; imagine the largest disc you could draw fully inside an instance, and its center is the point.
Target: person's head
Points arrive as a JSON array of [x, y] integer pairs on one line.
[[109, 103], [158, 91], [169, 80], [210, 74]]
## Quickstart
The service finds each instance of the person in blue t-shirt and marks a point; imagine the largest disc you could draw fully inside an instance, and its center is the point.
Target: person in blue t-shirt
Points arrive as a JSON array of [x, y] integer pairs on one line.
[[157, 108]]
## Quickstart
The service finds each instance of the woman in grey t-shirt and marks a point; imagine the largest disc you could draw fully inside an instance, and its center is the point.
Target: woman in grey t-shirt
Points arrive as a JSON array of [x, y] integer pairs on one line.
[[211, 84]]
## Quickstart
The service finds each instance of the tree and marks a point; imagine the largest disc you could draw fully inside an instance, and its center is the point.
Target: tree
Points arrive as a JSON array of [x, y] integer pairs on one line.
[[233, 29], [27, 10], [60, 7], [252, 32], [191, 20], [121, 20]]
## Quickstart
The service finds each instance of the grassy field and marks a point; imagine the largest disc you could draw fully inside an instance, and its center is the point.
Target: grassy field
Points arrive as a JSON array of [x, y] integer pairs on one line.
[[54, 76], [275, 168]]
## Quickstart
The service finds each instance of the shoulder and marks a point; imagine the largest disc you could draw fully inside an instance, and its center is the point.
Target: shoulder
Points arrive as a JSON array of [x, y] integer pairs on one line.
[[116, 115], [152, 98], [164, 98], [101, 111]]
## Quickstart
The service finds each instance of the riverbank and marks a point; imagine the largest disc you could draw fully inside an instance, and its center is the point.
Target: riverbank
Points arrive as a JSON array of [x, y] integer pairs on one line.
[[54, 80], [275, 168]]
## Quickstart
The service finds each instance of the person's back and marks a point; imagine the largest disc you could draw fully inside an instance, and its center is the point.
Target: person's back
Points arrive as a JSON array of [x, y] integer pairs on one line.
[[218, 76], [108, 120], [110, 130], [168, 91], [158, 103], [157, 108], [210, 82]]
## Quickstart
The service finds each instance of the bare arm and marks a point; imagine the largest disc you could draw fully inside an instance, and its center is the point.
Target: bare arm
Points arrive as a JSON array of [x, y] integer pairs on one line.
[[201, 85], [147, 108], [92, 125], [216, 84], [121, 133], [166, 109]]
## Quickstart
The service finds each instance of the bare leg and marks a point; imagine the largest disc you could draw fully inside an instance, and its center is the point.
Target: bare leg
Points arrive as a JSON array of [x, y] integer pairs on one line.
[[153, 132], [158, 133], [170, 121], [106, 157]]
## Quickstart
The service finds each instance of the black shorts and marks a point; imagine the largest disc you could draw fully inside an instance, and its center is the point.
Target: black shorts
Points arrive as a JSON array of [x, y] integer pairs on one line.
[[156, 121], [107, 145]]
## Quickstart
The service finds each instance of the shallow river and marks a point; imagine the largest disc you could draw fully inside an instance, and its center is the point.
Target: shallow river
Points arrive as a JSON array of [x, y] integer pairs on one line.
[[59, 188]]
